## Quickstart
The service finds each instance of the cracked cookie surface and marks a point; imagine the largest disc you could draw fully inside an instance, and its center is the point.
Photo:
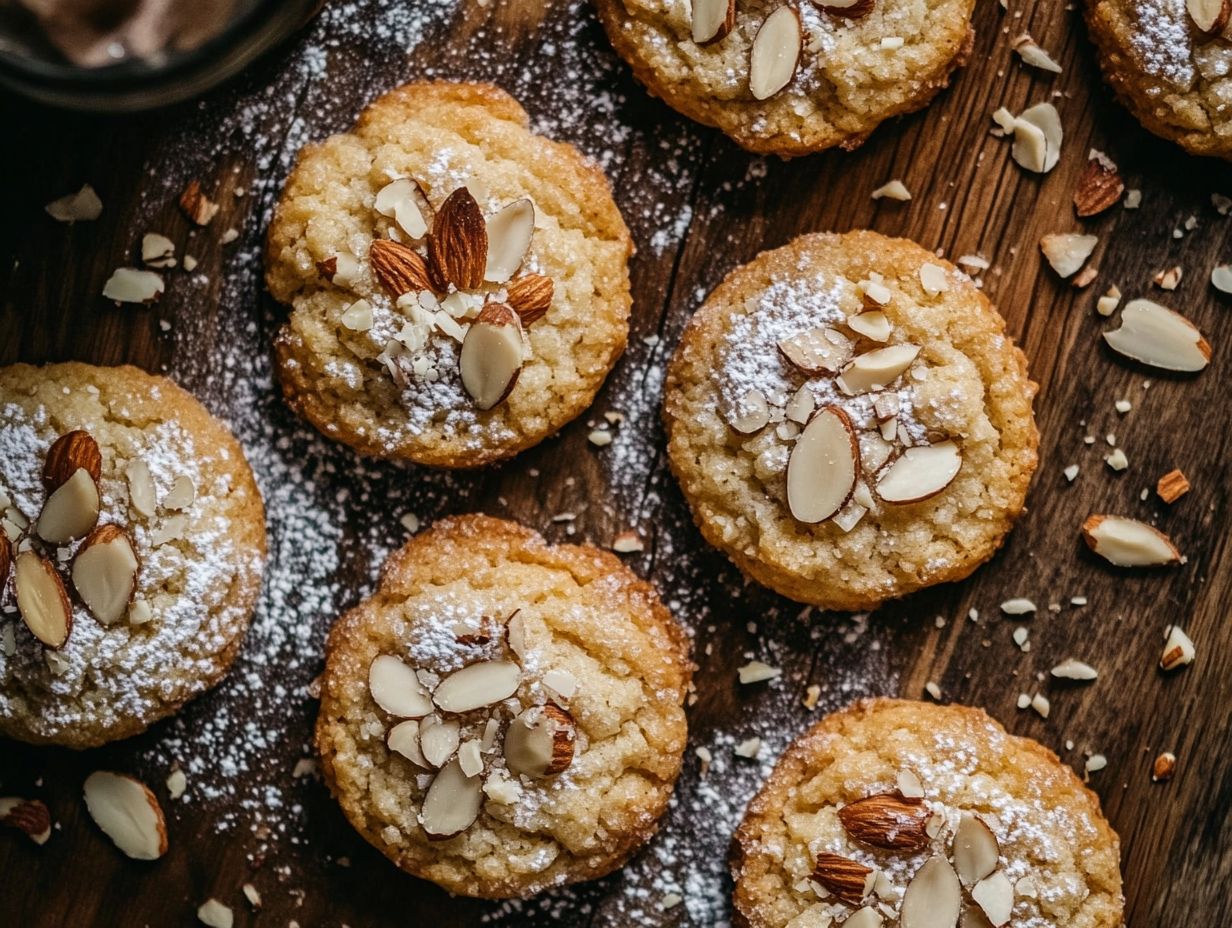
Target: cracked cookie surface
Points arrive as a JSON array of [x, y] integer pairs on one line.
[[592, 640]]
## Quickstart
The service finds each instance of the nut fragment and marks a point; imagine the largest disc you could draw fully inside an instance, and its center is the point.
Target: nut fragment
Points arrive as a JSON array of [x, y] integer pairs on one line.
[[71, 511], [439, 739], [403, 739], [105, 573], [214, 914], [396, 689], [1067, 252], [398, 267], [129, 285], [752, 413], [458, 246], [1155, 335], [1169, 278], [405, 202], [933, 898], [875, 370], [995, 896], [1172, 486], [775, 52], [823, 467], [452, 802], [540, 741], [196, 205], [477, 685], [30, 816], [1210, 16], [492, 355], [1127, 542], [849, 880], [920, 473], [42, 599], [816, 351], [530, 296], [82, 206], [1164, 767], [1037, 138], [887, 821], [1178, 650], [975, 849], [157, 250], [128, 813], [712, 20], [509, 233], [1099, 187], [1070, 669], [71, 452], [1031, 53], [849, 9]]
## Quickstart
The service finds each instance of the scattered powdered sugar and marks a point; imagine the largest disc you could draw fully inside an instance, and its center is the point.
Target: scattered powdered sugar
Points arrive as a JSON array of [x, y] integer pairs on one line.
[[1162, 41]]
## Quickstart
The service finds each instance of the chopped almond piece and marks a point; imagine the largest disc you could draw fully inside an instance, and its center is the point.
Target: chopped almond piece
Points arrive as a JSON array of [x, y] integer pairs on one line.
[[1172, 486]]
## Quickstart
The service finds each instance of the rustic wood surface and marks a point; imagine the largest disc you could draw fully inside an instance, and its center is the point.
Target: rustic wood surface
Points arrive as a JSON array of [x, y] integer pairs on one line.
[[714, 207]]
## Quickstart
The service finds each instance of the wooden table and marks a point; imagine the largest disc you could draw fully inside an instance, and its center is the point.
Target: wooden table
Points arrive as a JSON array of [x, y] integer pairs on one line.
[[698, 207]]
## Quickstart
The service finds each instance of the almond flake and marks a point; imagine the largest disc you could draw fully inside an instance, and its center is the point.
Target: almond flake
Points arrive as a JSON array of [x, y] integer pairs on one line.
[[1178, 650], [1221, 278], [438, 740], [1210, 16], [1068, 252], [933, 898], [712, 20], [749, 747], [82, 206], [872, 325], [893, 190], [358, 316], [975, 849], [775, 52], [196, 205], [157, 250], [404, 201], [252, 895], [1040, 704], [751, 414], [1106, 305], [477, 685], [41, 599], [492, 355], [177, 782], [933, 279], [1030, 52], [129, 285], [540, 741], [1095, 763], [105, 573], [909, 786], [403, 739], [509, 234], [215, 914], [920, 473], [628, 542], [866, 917], [396, 689], [1037, 138], [452, 802], [876, 370], [823, 466], [757, 672], [816, 351], [1127, 542], [1071, 669], [1155, 335], [128, 813], [995, 896]]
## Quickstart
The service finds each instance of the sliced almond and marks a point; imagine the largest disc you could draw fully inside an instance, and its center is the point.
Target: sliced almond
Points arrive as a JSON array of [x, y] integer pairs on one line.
[[1067, 252], [42, 599], [1221, 274], [867, 917], [847, 879], [1037, 138], [909, 785], [396, 689], [439, 739], [752, 414], [30, 816], [157, 250], [816, 351], [1100, 186], [214, 914], [1155, 335], [128, 813], [82, 206], [1031, 53], [478, 685], [458, 246], [887, 821], [775, 52], [933, 898], [105, 573], [493, 352], [509, 233], [404, 201], [515, 634], [358, 317], [712, 20], [800, 407], [398, 267], [129, 285], [452, 802], [72, 451], [71, 510], [1071, 669], [873, 325], [1210, 16], [141, 493], [182, 494], [1178, 650], [995, 896], [823, 467], [975, 849], [920, 473], [530, 296], [341, 268], [540, 741], [876, 370], [1128, 542], [403, 739]]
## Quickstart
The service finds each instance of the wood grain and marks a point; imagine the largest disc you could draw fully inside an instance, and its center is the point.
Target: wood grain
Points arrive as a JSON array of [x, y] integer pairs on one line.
[[668, 175]]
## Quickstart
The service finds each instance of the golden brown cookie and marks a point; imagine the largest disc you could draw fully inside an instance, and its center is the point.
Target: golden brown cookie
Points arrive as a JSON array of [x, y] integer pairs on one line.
[[504, 715], [459, 285], [137, 543], [849, 421], [892, 810], [856, 63], [1169, 70]]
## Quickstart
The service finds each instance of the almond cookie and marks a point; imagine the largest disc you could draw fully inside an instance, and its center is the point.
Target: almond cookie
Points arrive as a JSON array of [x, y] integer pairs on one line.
[[899, 813], [459, 285], [849, 420], [504, 715], [789, 77], [1168, 62], [131, 551]]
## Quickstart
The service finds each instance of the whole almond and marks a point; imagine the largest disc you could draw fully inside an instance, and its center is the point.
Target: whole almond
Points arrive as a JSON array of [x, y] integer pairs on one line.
[[71, 452], [458, 245], [399, 267], [842, 876], [28, 815], [530, 296], [887, 821], [1099, 187]]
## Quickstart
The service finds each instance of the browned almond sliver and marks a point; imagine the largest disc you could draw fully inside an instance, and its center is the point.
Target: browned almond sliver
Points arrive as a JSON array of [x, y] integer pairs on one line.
[[850, 880], [6, 558], [458, 245], [196, 205], [540, 741], [452, 802], [510, 230], [824, 466], [398, 267], [887, 821], [105, 573], [933, 898], [1210, 16], [712, 20], [1100, 186], [477, 685], [42, 599], [849, 9], [530, 296], [492, 355], [775, 52], [71, 452], [30, 816], [71, 511], [1128, 542], [128, 813]]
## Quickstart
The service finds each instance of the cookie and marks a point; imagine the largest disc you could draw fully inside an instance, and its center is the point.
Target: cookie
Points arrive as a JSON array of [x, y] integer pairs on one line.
[[792, 78], [459, 285], [131, 555], [849, 421], [1168, 69], [504, 715], [923, 814]]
